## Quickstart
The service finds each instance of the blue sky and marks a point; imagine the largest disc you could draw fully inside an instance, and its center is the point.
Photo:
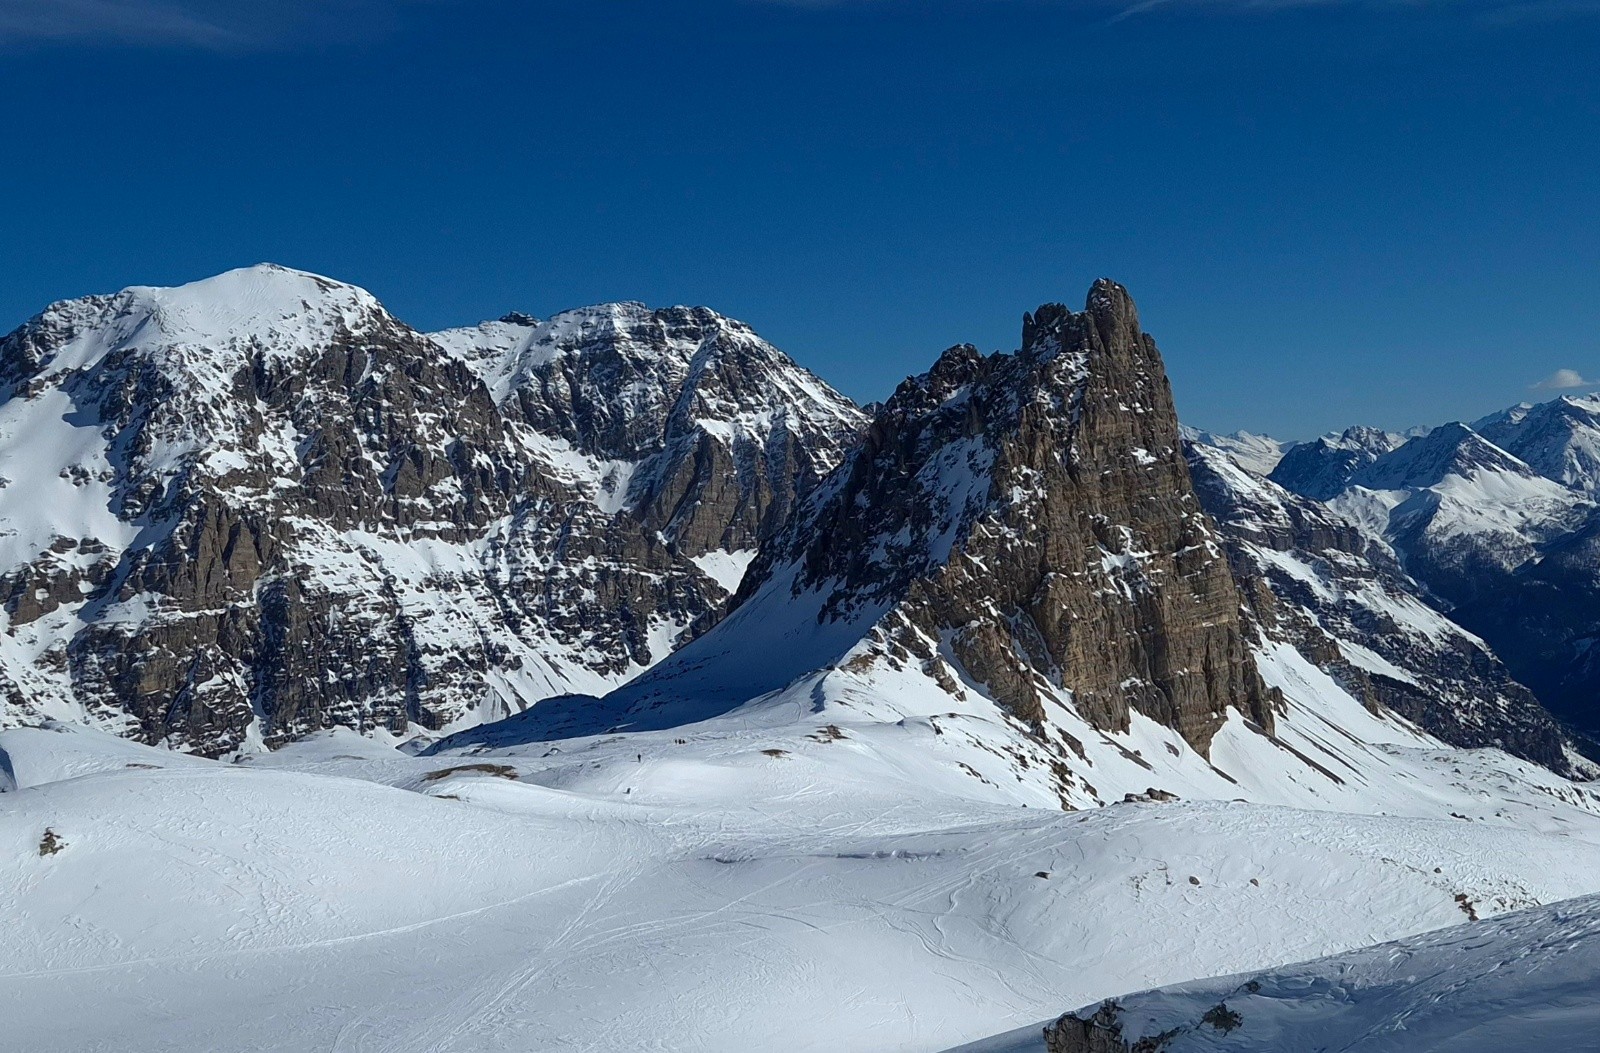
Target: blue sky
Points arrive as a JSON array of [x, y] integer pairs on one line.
[[1329, 212]]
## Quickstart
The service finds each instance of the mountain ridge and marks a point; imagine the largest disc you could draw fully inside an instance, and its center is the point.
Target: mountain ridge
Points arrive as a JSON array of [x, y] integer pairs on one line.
[[277, 506]]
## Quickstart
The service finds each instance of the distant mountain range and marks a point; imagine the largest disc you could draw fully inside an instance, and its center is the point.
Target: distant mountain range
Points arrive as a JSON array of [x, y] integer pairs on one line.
[[1497, 521]]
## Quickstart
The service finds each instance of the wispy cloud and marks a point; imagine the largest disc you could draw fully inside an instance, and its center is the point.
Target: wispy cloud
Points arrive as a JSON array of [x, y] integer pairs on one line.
[[1562, 379], [251, 24], [210, 24], [1490, 13], [133, 21]]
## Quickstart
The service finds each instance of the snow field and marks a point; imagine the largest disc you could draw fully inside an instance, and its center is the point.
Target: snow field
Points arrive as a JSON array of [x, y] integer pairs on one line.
[[745, 885]]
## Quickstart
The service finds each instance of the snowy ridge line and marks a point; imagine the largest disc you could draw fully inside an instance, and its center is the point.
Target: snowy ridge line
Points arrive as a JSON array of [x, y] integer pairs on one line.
[[1521, 981]]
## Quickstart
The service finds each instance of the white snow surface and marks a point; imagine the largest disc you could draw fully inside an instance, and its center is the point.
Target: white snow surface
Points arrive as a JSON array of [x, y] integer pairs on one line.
[[725, 568], [1258, 453], [1523, 981], [850, 864]]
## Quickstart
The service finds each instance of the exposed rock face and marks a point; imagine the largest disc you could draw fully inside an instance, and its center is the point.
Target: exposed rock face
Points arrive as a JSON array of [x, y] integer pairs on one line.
[[258, 505], [1103, 1030], [1020, 525], [1035, 513], [1098, 1032], [1345, 603], [722, 430]]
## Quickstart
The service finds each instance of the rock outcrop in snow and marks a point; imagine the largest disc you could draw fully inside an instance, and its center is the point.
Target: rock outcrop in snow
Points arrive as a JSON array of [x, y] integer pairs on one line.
[[257, 505], [1025, 524]]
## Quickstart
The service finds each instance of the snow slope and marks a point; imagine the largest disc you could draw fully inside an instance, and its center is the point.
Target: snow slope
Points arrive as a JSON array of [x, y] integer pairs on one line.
[[844, 894], [1258, 453], [1523, 981]]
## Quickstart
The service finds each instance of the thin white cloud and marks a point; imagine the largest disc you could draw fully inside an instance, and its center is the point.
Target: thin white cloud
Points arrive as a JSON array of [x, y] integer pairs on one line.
[[211, 24], [133, 21], [1489, 13], [1562, 379]]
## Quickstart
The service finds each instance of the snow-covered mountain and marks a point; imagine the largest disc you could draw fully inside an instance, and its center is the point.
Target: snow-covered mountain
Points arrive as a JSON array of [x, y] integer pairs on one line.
[[1258, 453], [1560, 439], [1016, 532], [1015, 567], [258, 505], [1345, 603], [1496, 521], [1322, 468]]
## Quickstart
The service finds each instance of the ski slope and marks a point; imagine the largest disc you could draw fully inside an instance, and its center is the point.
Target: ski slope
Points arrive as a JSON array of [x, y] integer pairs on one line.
[[826, 889]]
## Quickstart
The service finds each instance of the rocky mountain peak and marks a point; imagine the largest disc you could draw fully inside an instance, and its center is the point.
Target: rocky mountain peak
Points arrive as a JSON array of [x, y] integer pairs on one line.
[[192, 332], [248, 507], [1021, 526], [1560, 439], [1323, 468], [1450, 449]]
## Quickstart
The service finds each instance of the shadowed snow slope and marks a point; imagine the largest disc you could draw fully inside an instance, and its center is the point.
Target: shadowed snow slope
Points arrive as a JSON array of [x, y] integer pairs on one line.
[[1524, 981]]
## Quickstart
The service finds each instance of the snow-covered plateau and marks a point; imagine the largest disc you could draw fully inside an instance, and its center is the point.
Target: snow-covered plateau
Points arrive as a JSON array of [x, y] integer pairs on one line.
[[728, 887]]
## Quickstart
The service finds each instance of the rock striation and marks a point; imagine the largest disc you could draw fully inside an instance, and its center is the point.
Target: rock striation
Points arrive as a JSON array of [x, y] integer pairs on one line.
[[1038, 519]]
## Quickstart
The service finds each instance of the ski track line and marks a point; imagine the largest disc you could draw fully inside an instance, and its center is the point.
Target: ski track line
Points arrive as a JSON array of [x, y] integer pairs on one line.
[[291, 947], [457, 1020]]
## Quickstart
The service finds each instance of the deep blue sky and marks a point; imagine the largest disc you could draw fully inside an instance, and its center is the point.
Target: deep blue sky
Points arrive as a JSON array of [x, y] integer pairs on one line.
[[1328, 212]]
